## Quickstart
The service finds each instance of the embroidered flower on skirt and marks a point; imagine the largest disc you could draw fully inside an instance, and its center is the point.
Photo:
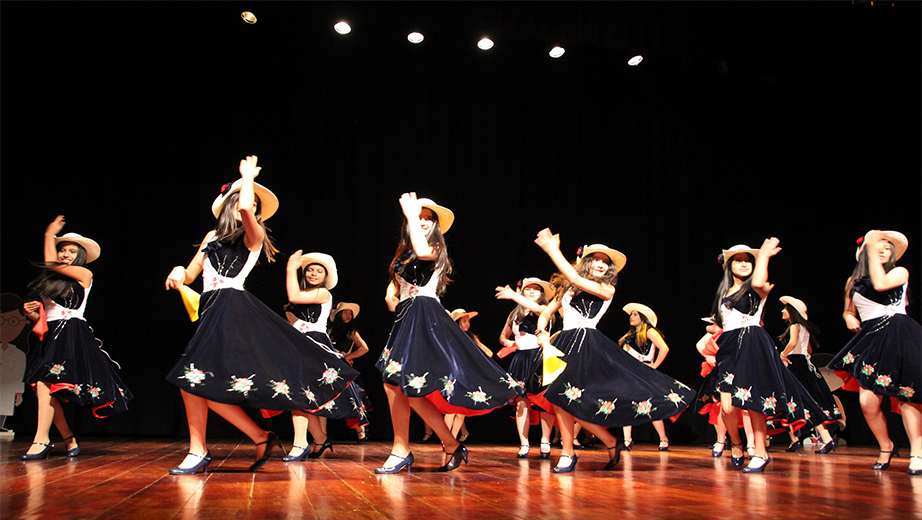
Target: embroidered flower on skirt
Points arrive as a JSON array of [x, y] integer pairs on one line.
[[417, 382], [280, 387], [479, 396], [606, 407]]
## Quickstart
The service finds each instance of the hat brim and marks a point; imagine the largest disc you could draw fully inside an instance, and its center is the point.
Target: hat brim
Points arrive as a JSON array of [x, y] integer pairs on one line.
[[730, 253], [327, 262], [446, 216], [798, 305], [899, 241], [457, 314], [268, 202], [618, 259], [642, 309], [344, 306], [90, 245], [548, 289]]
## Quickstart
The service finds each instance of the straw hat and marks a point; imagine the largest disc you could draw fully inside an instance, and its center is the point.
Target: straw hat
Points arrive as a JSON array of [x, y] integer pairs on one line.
[[548, 289], [446, 216], [327, 262], [268, 202], [345, 306], [457, 314], [798, 305], [92, 248], [647, 312], [899, 241], [617, 258], [727, 254]]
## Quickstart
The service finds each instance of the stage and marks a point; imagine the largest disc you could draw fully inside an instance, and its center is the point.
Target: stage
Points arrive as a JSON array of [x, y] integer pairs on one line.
[[127, 478]]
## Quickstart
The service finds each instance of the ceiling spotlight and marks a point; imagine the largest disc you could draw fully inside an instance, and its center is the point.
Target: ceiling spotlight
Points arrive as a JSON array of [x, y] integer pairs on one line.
[[556, 52], [415, 37], [248, 17], [635, 61], [485, 44], [342, 28]]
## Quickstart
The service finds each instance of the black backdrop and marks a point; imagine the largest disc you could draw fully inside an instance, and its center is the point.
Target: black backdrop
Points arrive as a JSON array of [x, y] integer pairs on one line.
[[745, 120]]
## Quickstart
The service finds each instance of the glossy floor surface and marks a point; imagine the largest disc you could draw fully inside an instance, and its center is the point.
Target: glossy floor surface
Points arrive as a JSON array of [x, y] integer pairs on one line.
[[127, 478]]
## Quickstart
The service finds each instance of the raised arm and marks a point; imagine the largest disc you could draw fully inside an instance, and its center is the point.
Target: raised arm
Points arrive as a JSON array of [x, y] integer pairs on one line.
[[246, 204], [550, 244], [180, 275], [411, 210], [295, 294], [880, 279], [760, 271], [543, 319], [506, 293], [83, 275]]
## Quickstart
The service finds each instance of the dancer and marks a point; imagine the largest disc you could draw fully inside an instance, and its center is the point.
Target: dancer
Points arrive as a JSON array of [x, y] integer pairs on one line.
[[883, 359], [348, 342], [308, 310], [68, 364], [429, 364], [243, 353], [801, 336], [531, 296], [645, 343], [751, 374], [600, 385]]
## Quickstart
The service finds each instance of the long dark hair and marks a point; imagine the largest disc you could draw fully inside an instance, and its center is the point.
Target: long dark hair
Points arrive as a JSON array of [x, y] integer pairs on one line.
[[228, 228], [405, 253], [51, 284], [640, 337], [584, 270], [861, 268], [302, 278], [797, 319], [725, 283]]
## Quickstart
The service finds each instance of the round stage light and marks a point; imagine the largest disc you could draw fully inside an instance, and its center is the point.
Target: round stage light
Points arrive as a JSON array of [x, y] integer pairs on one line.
[[485, 44], [342, 28], [635, 61], [415, 37], [556, 52], [248, 17]]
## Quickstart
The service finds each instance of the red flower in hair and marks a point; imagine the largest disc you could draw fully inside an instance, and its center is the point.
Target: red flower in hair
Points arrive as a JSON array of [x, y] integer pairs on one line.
[[225, 188], [579, 253], [519, 283], [859, 241]]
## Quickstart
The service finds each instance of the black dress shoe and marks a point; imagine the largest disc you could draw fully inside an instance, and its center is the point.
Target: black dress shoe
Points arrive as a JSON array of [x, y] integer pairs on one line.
[[327, 445], [272, 440], [455, 461]]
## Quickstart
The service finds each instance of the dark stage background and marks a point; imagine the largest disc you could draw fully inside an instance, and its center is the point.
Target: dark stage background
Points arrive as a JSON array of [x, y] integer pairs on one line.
[[745, 120]]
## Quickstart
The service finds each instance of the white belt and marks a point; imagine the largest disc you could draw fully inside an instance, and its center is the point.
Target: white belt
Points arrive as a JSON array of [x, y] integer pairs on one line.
[[527, 342], [306, 326], [885, 310], [740, 321], [56, 312], [412, 291], [216, 281]]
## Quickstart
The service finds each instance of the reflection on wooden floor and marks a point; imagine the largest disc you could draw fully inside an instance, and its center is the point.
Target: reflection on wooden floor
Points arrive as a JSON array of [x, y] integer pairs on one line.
[[127, 478]]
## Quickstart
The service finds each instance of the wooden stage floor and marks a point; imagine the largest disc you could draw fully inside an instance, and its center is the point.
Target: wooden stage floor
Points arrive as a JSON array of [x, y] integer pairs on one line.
[[127, 478]]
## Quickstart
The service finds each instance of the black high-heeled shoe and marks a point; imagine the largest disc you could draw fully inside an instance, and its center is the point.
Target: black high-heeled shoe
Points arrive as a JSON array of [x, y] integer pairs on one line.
[[327, 445], [203, 463], [545, 454], [569, 468], [455, 461], [911, 471], [628, 444], [613, 460], [523, 451], [880, 466], [40, 455], [829, 446], [298, 458], [752, 468], [272, 440], [73, 452], [406, 461], [797, 445], [717, 452], [736, 461], [663, 445]]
